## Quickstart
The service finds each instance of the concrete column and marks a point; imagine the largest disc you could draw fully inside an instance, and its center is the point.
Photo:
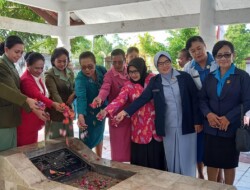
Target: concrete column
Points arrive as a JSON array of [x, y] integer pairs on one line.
[[207, 26], [64, 23]]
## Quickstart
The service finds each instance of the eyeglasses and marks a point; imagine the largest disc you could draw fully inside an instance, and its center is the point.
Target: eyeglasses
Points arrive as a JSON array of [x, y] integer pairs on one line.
[[89, 67], [161, 64], [133, 72], [226, 55]]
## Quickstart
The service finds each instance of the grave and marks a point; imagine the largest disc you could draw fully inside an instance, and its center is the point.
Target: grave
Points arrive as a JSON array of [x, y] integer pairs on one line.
[[70, 165], [67, 167]]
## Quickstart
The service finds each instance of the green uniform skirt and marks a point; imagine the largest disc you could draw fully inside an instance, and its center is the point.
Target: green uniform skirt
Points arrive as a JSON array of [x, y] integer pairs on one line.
[[8, 138]]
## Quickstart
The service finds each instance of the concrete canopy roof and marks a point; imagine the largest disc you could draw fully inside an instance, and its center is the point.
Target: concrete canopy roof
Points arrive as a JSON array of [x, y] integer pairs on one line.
[[118, 16]]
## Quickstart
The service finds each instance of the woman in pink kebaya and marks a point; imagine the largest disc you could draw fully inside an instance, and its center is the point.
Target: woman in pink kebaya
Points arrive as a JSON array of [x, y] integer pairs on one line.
[[113, 81], [146, 147]]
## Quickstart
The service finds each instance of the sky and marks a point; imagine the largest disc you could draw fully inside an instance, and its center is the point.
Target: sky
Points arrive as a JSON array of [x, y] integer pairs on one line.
[[132, 37], [158, 35]]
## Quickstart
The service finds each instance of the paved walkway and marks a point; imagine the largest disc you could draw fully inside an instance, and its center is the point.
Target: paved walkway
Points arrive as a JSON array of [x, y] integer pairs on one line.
[[242, 180]]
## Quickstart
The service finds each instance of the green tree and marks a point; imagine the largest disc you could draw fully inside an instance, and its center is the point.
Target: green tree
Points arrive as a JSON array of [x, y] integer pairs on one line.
[[15, 10], [148, 46], [79, 45], [34, 42], [239, 35], [119, 43], [177, 40], [2, 2], [101, 48]]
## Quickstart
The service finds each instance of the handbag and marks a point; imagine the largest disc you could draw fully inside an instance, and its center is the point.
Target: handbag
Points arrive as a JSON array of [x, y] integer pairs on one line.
[[242, 139]]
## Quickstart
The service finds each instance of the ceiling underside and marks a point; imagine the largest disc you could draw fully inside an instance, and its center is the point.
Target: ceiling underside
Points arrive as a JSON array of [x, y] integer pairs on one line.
[[108, 11], [89, 17]]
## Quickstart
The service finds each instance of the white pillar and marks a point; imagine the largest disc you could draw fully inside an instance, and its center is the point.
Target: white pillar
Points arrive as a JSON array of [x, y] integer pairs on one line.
[[207, 26], [64, 22]]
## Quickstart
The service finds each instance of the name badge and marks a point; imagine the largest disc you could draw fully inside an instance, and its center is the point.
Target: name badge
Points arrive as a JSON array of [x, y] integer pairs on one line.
[[156, 90]]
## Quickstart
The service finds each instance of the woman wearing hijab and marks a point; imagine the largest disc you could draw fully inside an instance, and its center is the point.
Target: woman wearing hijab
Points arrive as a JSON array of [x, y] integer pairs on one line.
[[146, 147], [177, 115]]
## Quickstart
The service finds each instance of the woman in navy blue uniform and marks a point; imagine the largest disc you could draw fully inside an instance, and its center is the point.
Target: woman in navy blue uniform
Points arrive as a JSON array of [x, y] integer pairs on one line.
[[222, 94], [177, 114]]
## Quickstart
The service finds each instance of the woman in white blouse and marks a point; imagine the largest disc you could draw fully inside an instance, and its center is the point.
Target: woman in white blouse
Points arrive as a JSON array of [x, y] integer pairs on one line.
[[33, 86]]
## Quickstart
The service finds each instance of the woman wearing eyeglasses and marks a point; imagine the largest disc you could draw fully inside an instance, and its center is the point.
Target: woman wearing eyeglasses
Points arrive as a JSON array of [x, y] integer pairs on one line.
[[113, 82], [222, 94], [87, 85], [176, 114], [146, 146]]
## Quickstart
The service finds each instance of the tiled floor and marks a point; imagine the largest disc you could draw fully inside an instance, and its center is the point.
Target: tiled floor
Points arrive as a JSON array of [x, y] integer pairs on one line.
[[242, 180]]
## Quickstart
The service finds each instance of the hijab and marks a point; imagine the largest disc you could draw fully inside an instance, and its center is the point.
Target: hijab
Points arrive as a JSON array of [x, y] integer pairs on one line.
[[159, 54], [167, 76], [140, 65]]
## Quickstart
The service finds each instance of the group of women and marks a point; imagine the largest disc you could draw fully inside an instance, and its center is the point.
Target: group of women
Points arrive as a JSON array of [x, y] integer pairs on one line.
[[224, 89], [206, 99], [19, 96], [11, 99], [171, 121]]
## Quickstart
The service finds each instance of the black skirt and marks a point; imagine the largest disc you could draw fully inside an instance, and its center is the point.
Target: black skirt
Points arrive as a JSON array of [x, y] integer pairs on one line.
[[220, 152], [149, 155]]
